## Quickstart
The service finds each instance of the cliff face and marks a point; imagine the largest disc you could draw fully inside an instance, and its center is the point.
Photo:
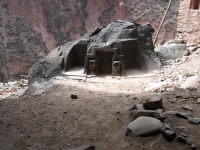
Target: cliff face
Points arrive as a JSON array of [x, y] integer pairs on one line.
[[30, 29]]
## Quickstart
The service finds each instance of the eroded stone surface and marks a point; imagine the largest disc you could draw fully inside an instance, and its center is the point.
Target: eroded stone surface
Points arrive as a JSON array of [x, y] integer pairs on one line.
[[127, 42]]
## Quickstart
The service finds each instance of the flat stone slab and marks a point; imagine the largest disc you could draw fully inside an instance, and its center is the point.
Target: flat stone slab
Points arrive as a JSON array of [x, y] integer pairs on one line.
[[144, 126], [134, 114], [183, 115], [194, 120]]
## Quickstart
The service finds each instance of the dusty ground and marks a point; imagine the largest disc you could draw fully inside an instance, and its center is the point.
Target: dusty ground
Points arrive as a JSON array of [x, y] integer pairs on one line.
[[46, 118]]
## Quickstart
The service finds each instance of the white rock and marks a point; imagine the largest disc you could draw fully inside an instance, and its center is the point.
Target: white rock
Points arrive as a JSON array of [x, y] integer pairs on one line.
[[191, 82], [144, 126]]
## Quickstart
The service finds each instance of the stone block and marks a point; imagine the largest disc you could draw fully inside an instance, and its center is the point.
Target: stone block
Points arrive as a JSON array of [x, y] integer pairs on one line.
[[181, 92], [155, 102]]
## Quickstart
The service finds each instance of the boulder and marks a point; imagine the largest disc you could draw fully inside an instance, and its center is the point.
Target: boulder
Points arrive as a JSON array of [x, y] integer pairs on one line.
[[191, 82], [171, 51], [110, 49], [144, 126], [182, 93], [155, 102]]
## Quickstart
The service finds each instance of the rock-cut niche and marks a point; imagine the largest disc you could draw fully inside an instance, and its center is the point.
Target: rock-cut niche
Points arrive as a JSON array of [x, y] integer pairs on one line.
[[194, 4]]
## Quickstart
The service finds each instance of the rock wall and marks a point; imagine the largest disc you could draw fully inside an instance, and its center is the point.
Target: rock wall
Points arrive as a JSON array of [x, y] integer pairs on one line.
[[188, 26], [30, 29]]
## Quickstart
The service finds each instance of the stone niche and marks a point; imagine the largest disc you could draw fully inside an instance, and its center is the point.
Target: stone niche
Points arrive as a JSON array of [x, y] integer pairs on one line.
[[194, 4], [188, 26], [112, 50]]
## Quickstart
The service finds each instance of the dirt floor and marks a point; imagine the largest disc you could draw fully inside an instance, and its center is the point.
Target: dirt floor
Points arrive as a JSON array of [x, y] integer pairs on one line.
[[47, 118]]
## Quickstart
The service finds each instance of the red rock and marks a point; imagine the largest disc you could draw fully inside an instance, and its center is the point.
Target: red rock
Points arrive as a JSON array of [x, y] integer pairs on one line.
[[34, 28]]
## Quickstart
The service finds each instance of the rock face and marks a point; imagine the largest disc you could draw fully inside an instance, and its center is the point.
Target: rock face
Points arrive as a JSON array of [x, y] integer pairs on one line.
[[171, 50], [29, 30], [188, 26], [112, 50]]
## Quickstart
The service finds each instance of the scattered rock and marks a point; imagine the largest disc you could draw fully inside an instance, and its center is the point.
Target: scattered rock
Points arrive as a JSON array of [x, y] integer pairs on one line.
[[144, 126], [149, 113], [155, 86], [83, 148], [183, 93], [182, 129], [74, 96], [137, 107], [192, 49], [168, 95], [195, 94], [198, 101], [197, 51], [171, 51], [198, 89], [193, 147], [118, 112], [194, 120], [183, 115], [87, 48], [182, 138], [191, 82], [155, 102], [172, 100], [168, 131], [187, 107]]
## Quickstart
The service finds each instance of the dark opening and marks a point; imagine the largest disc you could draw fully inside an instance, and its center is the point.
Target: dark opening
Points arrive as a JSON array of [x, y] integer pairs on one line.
[[104, 61], [76, 57], [131, 55], [194, 4]]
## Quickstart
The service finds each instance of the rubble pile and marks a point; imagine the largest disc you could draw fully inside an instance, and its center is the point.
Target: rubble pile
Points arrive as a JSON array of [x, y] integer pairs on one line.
[[13, 89], [150, 117]]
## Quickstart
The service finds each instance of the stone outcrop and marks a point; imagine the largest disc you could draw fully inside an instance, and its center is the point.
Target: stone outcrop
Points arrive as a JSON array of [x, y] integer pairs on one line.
[[31, 29], [172, 49], [188, 26], [112, 49]]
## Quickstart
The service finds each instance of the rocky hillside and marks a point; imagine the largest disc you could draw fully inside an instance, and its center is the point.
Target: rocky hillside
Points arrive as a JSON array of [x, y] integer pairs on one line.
[[30, 29]]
